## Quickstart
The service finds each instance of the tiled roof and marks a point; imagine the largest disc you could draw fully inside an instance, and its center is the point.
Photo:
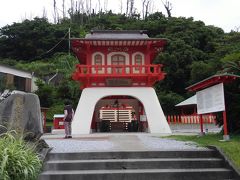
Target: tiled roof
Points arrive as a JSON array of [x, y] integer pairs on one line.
[[190, 101], [115, 34]]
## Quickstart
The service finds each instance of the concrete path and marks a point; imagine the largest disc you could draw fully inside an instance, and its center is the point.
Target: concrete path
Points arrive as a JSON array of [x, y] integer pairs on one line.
[[115, 142]]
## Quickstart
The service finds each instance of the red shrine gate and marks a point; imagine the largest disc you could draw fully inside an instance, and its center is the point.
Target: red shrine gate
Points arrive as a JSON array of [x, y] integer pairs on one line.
[[116, 65]]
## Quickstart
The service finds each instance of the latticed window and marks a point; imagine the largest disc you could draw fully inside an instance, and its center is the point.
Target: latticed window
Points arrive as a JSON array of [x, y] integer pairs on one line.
[[118, 59], [138, 61], [98, 61]]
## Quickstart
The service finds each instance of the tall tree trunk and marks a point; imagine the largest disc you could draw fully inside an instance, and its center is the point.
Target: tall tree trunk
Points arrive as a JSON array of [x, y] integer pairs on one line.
[[143, 9], [121, 6], [147, 8], [55, 11], [63, 9], [131, 7], [99, 6], [44, 13], [127, 7], [168, 7], [70, 11], [105, 5], [90, 7]]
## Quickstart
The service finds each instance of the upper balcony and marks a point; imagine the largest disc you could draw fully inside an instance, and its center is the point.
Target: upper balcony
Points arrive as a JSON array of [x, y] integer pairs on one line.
[[118, 75]]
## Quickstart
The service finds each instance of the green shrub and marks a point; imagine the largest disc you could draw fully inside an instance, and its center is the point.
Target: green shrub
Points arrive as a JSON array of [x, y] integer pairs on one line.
[[18, 159]]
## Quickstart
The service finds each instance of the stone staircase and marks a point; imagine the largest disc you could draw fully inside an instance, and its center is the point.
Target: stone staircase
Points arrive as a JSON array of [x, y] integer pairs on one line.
[[137, 165]]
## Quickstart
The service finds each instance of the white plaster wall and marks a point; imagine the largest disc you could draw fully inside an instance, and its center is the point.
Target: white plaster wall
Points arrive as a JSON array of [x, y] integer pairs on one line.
[[90, 96]]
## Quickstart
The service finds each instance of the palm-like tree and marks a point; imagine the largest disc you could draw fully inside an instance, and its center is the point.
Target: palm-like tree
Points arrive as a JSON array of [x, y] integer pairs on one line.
[[232, 67]]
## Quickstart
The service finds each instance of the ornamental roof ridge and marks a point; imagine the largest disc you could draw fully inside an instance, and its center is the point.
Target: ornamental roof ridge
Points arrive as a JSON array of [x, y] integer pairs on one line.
[[119, 31], [117, 34]]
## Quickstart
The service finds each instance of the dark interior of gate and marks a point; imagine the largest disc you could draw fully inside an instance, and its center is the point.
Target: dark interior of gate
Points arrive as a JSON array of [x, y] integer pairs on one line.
[[119, 114]]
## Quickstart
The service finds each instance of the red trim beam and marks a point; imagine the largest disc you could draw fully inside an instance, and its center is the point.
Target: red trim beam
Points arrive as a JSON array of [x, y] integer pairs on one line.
[[215, 79], [80, 46]]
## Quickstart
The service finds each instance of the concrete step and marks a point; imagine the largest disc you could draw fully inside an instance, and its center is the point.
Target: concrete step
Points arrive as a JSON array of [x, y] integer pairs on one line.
[[160, 163], [139, 174], [205, 153], [140, 165]]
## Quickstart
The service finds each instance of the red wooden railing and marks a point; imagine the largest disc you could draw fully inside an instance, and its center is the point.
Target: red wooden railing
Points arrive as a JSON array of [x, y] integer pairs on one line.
[[120, 70], [190, 119]]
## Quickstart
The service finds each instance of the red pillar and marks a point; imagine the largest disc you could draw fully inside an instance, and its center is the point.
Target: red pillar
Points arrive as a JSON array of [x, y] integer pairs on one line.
[[175, 119], [225, 123], [169, 119], [201, 123]]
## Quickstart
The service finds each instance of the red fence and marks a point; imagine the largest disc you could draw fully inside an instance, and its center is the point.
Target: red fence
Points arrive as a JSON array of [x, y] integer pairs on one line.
[[190, 119]]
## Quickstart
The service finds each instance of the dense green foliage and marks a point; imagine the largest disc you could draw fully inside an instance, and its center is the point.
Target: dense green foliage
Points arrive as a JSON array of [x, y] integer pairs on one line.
[[18, 159], [194, 52]]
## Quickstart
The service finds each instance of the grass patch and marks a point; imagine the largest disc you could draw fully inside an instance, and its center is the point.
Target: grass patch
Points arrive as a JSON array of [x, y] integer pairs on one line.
[[230, 148]]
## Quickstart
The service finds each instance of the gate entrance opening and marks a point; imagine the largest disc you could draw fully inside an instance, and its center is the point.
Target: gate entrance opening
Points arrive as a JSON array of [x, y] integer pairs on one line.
[[119, 114]]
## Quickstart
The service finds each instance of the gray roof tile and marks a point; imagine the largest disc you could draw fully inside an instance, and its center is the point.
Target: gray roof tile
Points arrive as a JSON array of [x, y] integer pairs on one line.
[[114, 34]]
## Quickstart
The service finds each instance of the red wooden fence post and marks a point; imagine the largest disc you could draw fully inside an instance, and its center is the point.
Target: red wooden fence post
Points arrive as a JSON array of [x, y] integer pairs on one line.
[[168, 117], [201, 124], [225, 136]]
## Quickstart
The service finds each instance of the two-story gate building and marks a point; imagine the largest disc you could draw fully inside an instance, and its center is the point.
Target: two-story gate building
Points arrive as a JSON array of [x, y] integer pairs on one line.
[[116, 75]]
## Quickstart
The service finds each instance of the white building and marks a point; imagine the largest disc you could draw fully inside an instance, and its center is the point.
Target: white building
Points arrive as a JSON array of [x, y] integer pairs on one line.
[[12, 78]]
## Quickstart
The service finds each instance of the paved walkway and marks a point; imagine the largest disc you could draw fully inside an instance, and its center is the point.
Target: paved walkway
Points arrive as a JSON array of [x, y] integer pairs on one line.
[[115, 142]]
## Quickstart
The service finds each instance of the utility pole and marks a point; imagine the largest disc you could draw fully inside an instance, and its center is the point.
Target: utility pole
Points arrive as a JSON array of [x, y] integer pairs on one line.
[[69, 43]]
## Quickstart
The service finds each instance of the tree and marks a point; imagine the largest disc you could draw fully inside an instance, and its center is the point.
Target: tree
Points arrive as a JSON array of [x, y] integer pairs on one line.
[[55, 14], [145, 8], [232, 67], [168, 7], [105, 5], [45, 93], [200, 70], [30, 40], [121, 6], [63, 9]]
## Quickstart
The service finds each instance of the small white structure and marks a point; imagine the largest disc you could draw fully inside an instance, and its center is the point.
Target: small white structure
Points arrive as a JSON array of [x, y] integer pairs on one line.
[[19, 79]]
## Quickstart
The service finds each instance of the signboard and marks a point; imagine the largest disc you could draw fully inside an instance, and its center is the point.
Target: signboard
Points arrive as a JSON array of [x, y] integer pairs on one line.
[[143, 118], [118, 82], [211, 99]]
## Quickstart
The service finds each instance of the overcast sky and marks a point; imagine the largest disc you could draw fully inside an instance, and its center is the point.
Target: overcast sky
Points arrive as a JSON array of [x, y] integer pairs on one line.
[[220, 13]]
